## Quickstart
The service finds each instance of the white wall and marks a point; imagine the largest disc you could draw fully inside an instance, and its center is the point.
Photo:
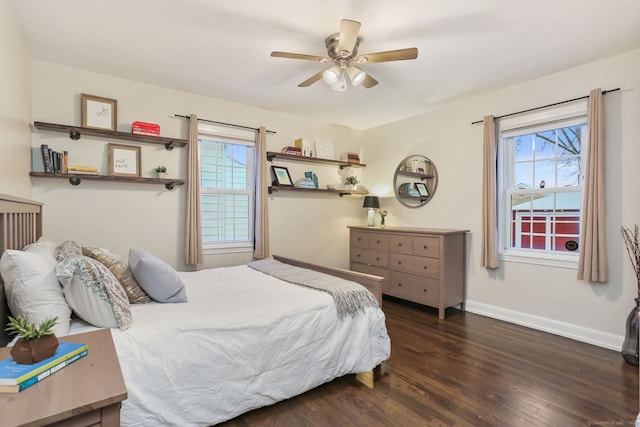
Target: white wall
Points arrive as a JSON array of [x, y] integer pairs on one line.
[[124, 215], [545, 297], [15, 106]]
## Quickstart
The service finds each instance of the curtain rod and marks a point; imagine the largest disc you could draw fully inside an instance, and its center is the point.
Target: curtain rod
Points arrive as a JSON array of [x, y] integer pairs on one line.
[[225, 124], [604, 92]]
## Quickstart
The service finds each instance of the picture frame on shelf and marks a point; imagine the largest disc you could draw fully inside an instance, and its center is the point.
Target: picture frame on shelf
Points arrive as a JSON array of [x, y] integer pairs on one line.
[[99, 112], [422, 189], [124, 160], [420, 171], [281, 176]]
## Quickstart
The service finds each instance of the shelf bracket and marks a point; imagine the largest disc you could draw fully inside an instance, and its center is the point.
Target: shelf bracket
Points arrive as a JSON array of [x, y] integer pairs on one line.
[[170, 185], [169, 146], [74, 134], [74, 180]]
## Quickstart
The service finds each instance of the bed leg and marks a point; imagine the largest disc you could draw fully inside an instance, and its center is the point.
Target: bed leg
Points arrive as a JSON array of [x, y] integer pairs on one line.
[[368, 378]]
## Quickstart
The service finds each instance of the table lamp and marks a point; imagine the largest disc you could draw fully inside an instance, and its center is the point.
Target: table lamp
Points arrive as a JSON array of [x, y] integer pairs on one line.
[[372, 203]]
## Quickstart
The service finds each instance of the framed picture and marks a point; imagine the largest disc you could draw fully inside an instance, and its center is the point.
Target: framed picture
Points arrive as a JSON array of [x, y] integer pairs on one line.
[[124, 160], [420, 170], [99, 112], [422, 189], [281, 176]]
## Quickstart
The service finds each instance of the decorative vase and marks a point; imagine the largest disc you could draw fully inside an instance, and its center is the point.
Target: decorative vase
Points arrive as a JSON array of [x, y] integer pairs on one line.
[[162, 175], [352, 187], [630, 344], [381, 222], [28, 352]]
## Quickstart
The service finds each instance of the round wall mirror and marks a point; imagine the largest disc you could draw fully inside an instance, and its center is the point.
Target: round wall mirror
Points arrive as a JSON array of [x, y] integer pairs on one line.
[[415, 181]]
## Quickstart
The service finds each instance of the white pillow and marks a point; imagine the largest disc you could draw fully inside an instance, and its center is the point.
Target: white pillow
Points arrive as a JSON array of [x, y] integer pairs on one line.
[[43, 245], [93, 292], [32, 288], [158, 279]]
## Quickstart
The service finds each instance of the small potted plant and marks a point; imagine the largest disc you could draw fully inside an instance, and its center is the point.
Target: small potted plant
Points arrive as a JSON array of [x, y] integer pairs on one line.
[[35, 342], [352, 182], [161, 171]]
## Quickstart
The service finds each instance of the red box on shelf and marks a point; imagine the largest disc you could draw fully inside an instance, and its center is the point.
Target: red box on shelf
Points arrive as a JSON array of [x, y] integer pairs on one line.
[[144, 128]]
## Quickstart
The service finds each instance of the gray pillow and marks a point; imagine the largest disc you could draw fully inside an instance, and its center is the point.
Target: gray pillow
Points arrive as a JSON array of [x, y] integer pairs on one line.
[[158, 279]]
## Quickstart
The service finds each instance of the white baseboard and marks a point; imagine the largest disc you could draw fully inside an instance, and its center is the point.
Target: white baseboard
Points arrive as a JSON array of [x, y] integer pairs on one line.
[[578, 333]]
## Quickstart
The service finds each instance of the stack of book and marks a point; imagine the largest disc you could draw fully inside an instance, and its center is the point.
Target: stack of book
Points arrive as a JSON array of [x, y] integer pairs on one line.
[[144, 128], [350, 157], [296, 151], [305, 183], [82, 170], [15, 377], [54, 161]]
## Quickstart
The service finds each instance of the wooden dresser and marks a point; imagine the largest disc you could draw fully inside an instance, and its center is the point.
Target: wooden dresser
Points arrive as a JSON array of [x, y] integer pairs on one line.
[[423, 265]]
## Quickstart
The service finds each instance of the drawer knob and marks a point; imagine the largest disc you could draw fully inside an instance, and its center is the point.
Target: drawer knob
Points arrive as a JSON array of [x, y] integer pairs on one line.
[[399, 285], [357, 255], [425, 291], [399, 244], [424, 266], [425, 246], [378, 242], [377, 259], [399, 262]]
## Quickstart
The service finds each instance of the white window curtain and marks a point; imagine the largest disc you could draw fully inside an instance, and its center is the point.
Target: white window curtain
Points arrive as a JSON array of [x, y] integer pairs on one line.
[[261, 230], [592, 264], [193, 226], [489, 255]]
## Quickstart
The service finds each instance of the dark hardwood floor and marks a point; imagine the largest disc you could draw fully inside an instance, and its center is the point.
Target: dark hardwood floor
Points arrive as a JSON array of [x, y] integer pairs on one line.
[[470, 370]]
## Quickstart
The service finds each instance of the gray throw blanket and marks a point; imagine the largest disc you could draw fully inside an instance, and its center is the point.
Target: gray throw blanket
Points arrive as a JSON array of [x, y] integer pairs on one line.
[[349, 297]]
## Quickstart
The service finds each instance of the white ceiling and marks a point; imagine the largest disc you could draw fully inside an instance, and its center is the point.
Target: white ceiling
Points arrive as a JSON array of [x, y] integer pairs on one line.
[[222, 48]]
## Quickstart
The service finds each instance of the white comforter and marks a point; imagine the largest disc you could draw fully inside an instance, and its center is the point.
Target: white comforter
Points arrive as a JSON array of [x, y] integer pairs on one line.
[[244, 340]]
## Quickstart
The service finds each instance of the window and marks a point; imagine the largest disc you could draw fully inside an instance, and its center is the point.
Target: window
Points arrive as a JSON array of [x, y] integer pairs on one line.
[[227, 188], [540, 178]]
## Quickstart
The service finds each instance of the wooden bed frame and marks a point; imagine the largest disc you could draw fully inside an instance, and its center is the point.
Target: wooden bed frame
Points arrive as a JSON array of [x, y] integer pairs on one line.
[[21, 224]]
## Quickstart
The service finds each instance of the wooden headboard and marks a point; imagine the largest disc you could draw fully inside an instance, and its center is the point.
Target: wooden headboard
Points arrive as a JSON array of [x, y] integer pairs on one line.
[[20, 225]]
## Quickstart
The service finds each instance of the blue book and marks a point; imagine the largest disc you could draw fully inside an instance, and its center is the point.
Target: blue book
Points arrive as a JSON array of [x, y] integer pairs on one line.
[[12, 373], [37, 378]]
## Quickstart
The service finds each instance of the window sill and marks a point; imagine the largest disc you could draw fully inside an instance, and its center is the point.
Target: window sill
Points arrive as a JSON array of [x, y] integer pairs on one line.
[[217, 251], [547, 262]]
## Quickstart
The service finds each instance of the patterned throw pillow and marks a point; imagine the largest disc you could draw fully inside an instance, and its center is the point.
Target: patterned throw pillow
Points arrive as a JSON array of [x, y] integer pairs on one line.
[[93, 292], [67, 249], [122, 272]]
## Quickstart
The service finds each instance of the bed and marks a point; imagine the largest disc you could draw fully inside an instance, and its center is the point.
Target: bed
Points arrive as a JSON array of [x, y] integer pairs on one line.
[[245, 339]]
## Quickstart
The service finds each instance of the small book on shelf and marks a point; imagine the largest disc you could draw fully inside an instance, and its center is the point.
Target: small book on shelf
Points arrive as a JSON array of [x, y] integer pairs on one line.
[[15, 377]]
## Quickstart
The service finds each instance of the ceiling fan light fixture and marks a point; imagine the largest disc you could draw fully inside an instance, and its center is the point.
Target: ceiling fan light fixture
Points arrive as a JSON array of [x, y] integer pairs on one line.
[[331, 75], [356, 75], [341, 84]]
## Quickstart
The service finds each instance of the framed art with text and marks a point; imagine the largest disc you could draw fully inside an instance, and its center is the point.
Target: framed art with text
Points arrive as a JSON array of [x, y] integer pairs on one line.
[[99, 112], [124, 160]]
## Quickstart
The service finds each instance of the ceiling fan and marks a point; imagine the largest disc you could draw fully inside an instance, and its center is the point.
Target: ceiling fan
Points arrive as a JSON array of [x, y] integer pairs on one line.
[[342, 51]]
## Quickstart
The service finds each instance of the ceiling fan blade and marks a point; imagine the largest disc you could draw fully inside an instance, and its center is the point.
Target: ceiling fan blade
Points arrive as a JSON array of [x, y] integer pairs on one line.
[[300, 56], [348, 36], [369, 81], [391, 55], [311, 80]]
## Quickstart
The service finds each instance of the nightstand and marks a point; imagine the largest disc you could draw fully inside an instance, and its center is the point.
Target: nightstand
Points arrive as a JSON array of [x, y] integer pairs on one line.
[[87, 393]]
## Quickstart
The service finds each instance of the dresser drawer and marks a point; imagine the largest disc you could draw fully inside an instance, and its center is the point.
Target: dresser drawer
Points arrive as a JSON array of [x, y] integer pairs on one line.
[[415, 264], [360, 239], [420, 289], [366, 240], [370, 257], [426, 246], [400, 244]]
